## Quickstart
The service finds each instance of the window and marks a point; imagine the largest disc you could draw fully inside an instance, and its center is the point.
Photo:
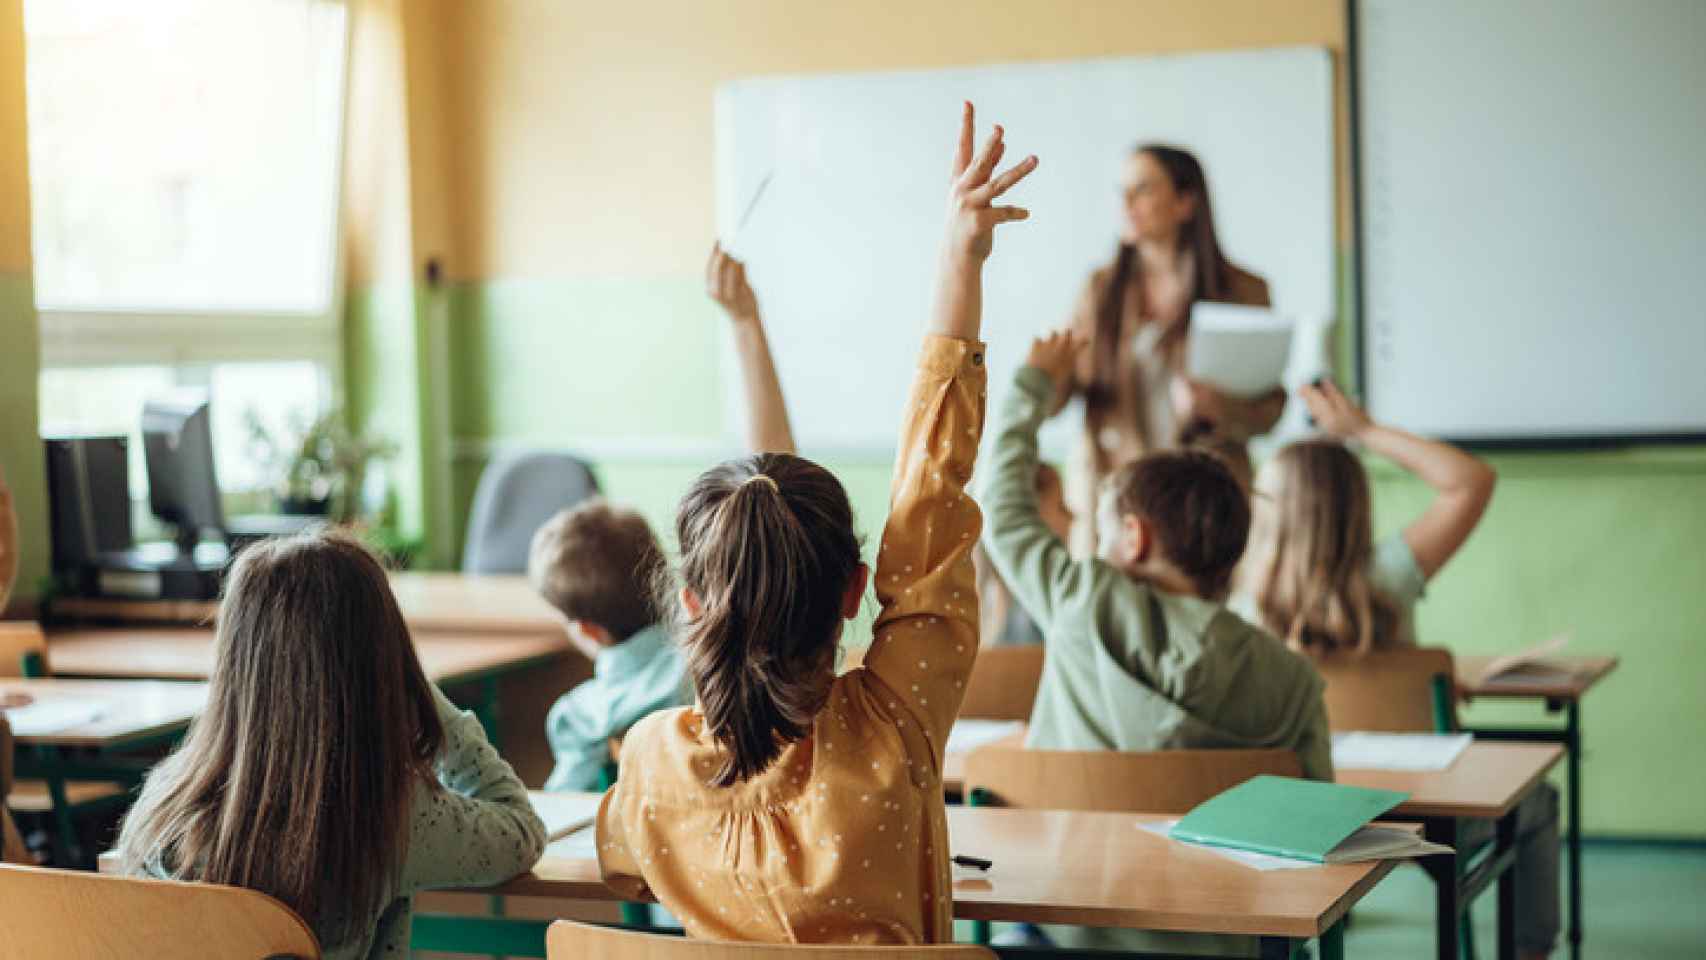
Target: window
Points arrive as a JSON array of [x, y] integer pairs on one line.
[[184, 178]]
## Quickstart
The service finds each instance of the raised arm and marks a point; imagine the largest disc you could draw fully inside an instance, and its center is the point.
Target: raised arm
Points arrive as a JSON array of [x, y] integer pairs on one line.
[[767, 428], [927, 632], [1462, 484], [1029, 556]]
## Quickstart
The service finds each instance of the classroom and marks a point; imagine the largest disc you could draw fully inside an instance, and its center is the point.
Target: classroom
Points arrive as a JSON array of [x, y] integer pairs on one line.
[[1200, 478]]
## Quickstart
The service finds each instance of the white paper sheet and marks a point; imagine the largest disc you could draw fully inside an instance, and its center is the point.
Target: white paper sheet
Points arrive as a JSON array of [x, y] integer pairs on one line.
[[968, 735], [51, 715], [1239, 350], [1360, 750]]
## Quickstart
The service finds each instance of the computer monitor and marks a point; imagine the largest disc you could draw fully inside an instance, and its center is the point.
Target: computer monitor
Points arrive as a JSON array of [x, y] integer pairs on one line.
[[177, 443]]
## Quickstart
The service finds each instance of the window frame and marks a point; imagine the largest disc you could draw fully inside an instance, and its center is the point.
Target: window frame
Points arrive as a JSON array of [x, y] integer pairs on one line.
[[84, 337]]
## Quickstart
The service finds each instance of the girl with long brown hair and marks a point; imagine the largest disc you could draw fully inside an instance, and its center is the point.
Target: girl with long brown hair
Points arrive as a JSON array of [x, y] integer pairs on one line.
[[1313, 574], [326, 770], [792, 804], [1134, 315]]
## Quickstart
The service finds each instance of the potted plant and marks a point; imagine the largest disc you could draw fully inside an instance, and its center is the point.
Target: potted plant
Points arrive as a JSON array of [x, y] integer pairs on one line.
[[321, 465]]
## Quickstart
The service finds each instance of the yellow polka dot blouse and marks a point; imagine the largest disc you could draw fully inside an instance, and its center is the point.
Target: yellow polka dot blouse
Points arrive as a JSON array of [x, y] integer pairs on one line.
[[843, 839]]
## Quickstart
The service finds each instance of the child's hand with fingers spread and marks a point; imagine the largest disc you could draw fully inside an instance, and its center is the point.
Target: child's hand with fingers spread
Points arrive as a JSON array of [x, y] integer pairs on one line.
[[972, 215], [725, 282], [1055, 354], [1333, 411]]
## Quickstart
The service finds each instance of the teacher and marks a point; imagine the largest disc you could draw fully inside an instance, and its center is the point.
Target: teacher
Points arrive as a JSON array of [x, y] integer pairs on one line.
[[1134, 315]]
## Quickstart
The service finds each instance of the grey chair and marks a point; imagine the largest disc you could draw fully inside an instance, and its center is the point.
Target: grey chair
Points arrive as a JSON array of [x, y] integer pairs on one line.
[[517, 494]]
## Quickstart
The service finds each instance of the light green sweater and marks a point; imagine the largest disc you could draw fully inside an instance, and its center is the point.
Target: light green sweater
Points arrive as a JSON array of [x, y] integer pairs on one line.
[[1131, 667]]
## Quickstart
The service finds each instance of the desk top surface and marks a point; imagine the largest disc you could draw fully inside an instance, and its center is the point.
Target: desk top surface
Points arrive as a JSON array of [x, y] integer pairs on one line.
[[1556, 678], [450, 602], [186, 653], [1055, 866], [1486, 781], [129, 709]]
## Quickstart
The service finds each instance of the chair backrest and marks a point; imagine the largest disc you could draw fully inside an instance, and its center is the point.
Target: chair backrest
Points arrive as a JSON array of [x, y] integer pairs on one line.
[[66, 914], [516, 495], [21, 640], [1393, 691], [1003, 683], [567, 940], [1160, 781], [12, 848]]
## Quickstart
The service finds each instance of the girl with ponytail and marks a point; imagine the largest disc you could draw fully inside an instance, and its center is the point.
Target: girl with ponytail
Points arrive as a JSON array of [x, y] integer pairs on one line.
[[790, 804]]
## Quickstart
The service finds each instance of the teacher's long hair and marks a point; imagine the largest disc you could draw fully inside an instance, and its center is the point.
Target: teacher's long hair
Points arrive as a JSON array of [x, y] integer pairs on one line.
[[1209, 283]]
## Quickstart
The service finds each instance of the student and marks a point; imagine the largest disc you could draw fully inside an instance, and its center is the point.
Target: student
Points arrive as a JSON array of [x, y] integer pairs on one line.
[[325, 770], [1313, 574], [1142, 655], [1315, 577], [595, 565], [790, 804]]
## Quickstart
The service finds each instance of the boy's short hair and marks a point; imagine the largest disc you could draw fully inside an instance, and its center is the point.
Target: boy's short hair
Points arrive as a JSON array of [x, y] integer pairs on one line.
[[1197, 507], [598, 563]]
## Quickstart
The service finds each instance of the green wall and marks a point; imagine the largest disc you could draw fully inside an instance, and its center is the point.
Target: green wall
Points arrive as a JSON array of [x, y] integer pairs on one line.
[[20, 443], [1608, 545]]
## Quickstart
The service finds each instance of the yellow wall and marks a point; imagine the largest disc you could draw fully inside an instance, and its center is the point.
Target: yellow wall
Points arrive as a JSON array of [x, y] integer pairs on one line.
[[560, 108], [20, 353]]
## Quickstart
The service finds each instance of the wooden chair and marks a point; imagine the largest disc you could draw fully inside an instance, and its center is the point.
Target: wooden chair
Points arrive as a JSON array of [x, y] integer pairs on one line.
[[1391, 691], [73, 915], [567, 940], [1161, 781], [1003, 684]]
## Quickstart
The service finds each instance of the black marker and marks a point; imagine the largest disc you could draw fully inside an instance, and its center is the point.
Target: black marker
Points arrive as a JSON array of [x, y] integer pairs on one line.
[[977, 863]]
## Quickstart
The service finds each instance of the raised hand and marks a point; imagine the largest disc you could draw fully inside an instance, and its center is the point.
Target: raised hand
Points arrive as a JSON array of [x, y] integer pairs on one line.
[[972, 215], [1333, 411], [725, 282], [972, 218]]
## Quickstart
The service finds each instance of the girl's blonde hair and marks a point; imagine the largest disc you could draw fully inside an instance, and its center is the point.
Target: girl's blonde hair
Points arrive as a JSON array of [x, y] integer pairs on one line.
[[1307, 568], [296, 780], [767, 545]]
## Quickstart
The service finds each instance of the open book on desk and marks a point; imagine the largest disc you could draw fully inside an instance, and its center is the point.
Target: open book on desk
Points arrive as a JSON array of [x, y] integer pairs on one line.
[[1526, 664]]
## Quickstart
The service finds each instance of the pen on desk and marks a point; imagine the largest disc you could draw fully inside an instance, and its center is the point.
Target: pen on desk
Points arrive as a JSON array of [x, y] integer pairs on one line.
[[975, 862]]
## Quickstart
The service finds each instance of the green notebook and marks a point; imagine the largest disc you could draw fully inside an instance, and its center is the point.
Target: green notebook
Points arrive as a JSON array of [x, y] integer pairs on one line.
[[1284, 816]]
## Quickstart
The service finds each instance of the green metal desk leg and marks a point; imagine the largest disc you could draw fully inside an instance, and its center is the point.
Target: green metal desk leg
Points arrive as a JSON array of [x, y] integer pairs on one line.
[[1573, 748], [1333, 942], [65, 831]]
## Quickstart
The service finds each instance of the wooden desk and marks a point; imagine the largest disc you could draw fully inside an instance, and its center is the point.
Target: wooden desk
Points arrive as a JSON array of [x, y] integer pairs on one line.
[[1561, 683], [136, 710], [136, 714], [449, 602], [1054, 866], [510, 680], [186, 653], [1487, 782]]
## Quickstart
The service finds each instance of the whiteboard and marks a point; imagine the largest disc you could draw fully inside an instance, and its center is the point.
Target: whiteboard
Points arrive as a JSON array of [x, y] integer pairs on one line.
[[1533, 178], [842, 246]]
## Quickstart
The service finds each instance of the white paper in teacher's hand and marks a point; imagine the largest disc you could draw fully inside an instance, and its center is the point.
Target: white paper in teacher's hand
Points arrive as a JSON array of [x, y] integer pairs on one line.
[[1238, 350]]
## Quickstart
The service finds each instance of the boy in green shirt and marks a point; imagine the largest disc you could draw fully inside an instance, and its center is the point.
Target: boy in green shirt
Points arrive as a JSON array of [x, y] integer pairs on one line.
[[1142, 653]]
